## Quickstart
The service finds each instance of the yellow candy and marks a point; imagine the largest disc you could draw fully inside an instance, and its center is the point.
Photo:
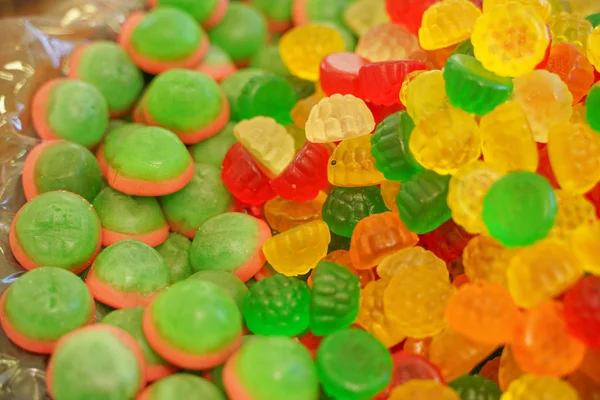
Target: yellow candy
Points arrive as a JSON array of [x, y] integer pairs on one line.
[[267, 141], [545, 99], [593, 47], [581, 8], [386, 42], [532, 387], [446, 23], [284, 214], [569, 28], [425, 94], [420, 389], [585, 242], [574, 210], [510, 39], [298, 250], [446, 141], [337, 118], [408, 258], [362, 15], [389, 191], [542, 7], [352, 164], [302, 49], [507, 140], [466, 192], [485, 259]]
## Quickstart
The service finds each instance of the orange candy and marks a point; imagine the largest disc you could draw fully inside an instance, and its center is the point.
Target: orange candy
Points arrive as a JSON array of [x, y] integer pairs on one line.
[[342, 257], [378, 236], [573, 67], [418, 346], [490, 369], [508, 370], [591, 365]]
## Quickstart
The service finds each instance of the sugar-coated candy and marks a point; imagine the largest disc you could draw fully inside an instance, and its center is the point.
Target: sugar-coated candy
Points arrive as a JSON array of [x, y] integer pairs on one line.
[[425, 94], [352, 164], [386, 42], [339, 73], [533, 387], [485, 259], [380, 82], [410, 257], [446, 23], [421, 389], [581, 311]]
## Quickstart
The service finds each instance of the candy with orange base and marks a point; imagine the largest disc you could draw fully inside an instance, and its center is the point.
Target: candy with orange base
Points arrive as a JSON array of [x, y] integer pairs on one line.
[[217, 64], [208, 13], [342, 257], [182, 386]]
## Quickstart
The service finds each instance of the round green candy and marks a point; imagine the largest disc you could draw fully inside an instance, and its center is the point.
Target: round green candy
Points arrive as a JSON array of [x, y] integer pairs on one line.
[[205, 196], [592, 105], [167, 34], [200, 10], [346, 34], [241, 33], [77, 111], [47, 302], [318, 11], [183, 100], [58, 229], [275, 10], [184, 386], [130, 320], [268, 95], [193, 309], [133, 215], [95, 364], [216, 56], [276, 368], [352, 364], [476, 387], [267, 58], [212, 150], [107, 66], [132, 266], [68, 166], [519, 209], [176, 253], [226, 281], [233, 85]]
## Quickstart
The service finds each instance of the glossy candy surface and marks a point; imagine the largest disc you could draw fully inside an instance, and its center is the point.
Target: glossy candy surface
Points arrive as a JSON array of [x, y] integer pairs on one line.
[[446, 23], [380, 82], [352, 164]]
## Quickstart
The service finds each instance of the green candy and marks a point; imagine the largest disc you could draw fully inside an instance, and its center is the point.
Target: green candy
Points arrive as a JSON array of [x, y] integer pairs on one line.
[[592, 105], [183, 100], [68, 166], [133, 215], [167, 34], [58, 229], [353, 365], [132, 266], [476, 387], [389, 147], [95, 364], [130, 320], [233, 86], [268, 59], [226, 281], [345, 206], [212, 150], [275, 10], [241, 33], [338, 243], [473, 88], [464, 47], [193, 309], [200, 10], [278, 306], [47, 302], [176, 253], [335, 298], [422, 201], [205, 196], [268, 95], [302, 88], [77, 111], [519, 209], [318, 11], [184, 386], [216, 56], [107, 66], [276, 368], [594, 19]]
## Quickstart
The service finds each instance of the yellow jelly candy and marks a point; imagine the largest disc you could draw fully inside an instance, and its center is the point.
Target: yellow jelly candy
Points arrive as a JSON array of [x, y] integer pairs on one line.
[[408, 258], [485, 259], [406, 83], [507, 140], [510, 39], [337, 118], [298, 250], [389, 191], [446, 23], [533, 387], [585, 242], [302, 49], [446, 140], [542, 7], [282, 214], [593, 47], [362, 15], [425, 95], [267, 141], [352, 164], [421, 389], [570, 28], [574, 210], [386, 42]]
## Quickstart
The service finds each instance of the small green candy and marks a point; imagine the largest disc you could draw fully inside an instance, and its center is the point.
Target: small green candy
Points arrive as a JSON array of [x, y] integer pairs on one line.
[[353, 365], [464, 47], [592, 108], [176, 253], [594, 19], [226, 281], [302, 87], [184, 386], [268, 59], [275, 10], [519, 209], [476, 387], [268, 95], [212, 150], [234, 84], [200, 10], [335, 298], [278, 305]]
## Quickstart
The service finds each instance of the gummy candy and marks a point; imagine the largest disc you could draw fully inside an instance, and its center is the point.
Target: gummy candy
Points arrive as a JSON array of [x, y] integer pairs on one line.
[[284, 214], [380, 82], [485, 259], [408, 258], [532, 387], [387, 42], [569, 28], [423, 390], [425, 94], [352, 164], [446, 23], [581, 311], [573, 67]]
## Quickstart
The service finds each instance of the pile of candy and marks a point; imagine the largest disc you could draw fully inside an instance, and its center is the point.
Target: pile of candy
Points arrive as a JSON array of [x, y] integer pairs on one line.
[[391, 199]]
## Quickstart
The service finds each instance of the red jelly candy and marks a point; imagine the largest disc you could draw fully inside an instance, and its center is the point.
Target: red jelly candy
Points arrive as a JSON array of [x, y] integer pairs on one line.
[[339, 73], [448, 241], [381, 112], [544, 62], [408, 366], [408, 12], [594, 196], [544, 168], [244, 178], [582, 311], [380, 82]]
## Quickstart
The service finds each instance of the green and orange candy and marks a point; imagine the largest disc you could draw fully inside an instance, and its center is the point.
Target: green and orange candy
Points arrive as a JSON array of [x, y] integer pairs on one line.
[[176, 253], [217, 64], [182, 386]]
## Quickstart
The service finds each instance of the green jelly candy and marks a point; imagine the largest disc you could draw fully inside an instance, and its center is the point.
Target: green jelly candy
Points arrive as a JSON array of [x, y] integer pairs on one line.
[[226, 281], [133, 215], [132, 266], [302, 87], [205, 196], [200, 10], [335, 298], [241, 33], [107, 66], [346, 34], [234, 84], [592, 107], [77, 111], [46, 303], [594, 19], [422, 201], [338, 243], [67, 166], [318, 11], [389, 147], [167, 34], [278, 306], [476, 387], [212, 150], [275, 10], [58, 229], [271, 367], [216, 56], [519, 209], [464, 47], [130, 320], [268, 95], [353, 365], [346, 206], [269, 59], [473, 88], [184, 386], [193, 309], [176, 253], [95, 364]]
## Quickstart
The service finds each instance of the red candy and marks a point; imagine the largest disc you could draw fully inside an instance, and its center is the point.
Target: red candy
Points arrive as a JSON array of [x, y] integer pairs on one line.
[[244, 178], [408, 12], [408, 366], [381, 112], [582, 311], [544, 168], [339, 73], [594, 196], [381, 82], [448, 241]]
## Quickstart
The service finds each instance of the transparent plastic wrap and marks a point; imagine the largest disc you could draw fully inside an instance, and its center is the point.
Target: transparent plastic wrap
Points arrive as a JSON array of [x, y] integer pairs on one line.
[[32, 51]]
